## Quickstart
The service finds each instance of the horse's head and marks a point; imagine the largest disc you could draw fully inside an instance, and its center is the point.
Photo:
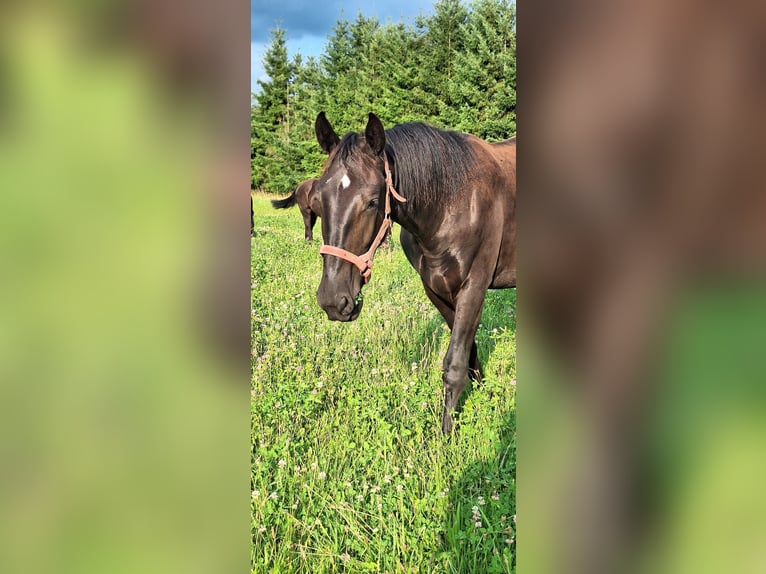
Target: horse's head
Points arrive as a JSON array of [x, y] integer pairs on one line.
[[350, 195]]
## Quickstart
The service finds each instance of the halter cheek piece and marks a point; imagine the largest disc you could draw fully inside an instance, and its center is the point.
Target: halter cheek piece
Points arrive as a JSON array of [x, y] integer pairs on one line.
[[364, 262]]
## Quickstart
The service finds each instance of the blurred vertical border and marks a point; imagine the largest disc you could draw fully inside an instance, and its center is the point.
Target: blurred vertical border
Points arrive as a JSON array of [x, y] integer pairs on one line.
[[124, 286], [642, 266]]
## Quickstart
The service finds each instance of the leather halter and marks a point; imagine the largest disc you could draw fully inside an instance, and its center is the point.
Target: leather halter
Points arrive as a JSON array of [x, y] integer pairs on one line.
[[364, 262]]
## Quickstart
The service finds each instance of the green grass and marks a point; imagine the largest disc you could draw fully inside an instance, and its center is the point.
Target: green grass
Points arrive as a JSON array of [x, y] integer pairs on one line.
[[351, 472]]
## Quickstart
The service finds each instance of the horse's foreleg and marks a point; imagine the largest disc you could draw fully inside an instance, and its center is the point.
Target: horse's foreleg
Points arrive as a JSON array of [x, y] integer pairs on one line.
[[448, 312], [308, 224], [461, 352], [475, 372], [312, 222]]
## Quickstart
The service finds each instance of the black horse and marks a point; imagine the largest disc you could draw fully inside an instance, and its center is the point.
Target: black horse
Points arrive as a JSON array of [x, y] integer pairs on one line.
[[457, 216], [301, 196]]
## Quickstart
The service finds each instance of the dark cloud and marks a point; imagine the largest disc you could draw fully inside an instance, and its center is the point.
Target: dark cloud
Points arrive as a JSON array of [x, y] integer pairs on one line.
[[317, 17]]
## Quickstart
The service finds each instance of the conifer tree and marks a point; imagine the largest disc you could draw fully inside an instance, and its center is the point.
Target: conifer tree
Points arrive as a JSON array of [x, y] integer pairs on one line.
[[483, 88], [268, 126], [444, 40]]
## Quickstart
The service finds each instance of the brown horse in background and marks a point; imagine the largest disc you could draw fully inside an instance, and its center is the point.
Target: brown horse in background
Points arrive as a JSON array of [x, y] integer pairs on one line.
[[457, 216], [302, 197]]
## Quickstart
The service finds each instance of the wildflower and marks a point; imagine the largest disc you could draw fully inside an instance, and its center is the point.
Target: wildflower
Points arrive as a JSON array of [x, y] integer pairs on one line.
[[399, 487], [273, 495], [514, 519], [481, 501], [359, 497], [513, 382], [256, 493], [345, 557], [314, 391], [387, 479], [281, 463], [319, 384], [414, 366], [261, 529], [509, 540], [322, 475], [347, 484], [424, 405], [478, 524], [495, 496], [375, 489], [313, 466]]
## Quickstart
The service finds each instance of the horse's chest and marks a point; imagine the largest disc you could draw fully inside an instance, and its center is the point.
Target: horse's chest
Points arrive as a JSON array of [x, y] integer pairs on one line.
[[443, 274]]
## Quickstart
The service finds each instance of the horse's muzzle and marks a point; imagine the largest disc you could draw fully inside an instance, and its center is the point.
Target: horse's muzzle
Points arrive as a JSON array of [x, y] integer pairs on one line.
[[343, 308]]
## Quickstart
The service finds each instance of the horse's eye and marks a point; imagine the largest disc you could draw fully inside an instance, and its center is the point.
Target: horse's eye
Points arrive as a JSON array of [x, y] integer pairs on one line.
[[373, 204]]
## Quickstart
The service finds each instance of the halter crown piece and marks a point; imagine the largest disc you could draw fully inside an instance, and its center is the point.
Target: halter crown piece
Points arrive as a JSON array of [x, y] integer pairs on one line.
[[364, 262]]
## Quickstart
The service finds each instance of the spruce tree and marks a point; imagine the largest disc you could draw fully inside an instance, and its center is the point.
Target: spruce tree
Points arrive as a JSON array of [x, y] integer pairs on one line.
[[483, 88], [269, 124]]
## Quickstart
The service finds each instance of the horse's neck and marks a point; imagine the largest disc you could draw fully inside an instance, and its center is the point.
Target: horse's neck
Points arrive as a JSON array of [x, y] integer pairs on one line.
[[415, 221]]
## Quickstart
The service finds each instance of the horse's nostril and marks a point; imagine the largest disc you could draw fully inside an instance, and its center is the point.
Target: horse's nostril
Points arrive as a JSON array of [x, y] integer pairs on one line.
[[345, 305]]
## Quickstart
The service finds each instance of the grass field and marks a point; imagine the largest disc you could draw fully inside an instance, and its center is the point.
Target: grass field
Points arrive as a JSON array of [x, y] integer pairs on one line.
[[350, 470]]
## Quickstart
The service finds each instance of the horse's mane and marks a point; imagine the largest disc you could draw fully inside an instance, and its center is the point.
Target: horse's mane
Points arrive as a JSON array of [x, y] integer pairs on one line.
[[429, 165]]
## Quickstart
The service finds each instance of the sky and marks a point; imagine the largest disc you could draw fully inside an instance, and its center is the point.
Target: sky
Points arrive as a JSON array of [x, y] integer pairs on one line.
[[308, 23]]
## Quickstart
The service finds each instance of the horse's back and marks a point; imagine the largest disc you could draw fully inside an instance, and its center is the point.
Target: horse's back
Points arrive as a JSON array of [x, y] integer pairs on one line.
[[504, 154]]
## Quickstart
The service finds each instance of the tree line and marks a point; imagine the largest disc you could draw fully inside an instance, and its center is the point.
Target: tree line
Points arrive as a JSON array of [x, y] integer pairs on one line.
[[454, 69]]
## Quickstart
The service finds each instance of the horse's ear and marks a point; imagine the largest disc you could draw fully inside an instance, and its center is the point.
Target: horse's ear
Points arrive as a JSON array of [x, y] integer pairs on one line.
[[326, 136], [375, 135]]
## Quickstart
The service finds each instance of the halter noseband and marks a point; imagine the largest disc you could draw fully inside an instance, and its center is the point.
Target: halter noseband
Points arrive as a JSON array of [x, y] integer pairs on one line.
[[364, 262]]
